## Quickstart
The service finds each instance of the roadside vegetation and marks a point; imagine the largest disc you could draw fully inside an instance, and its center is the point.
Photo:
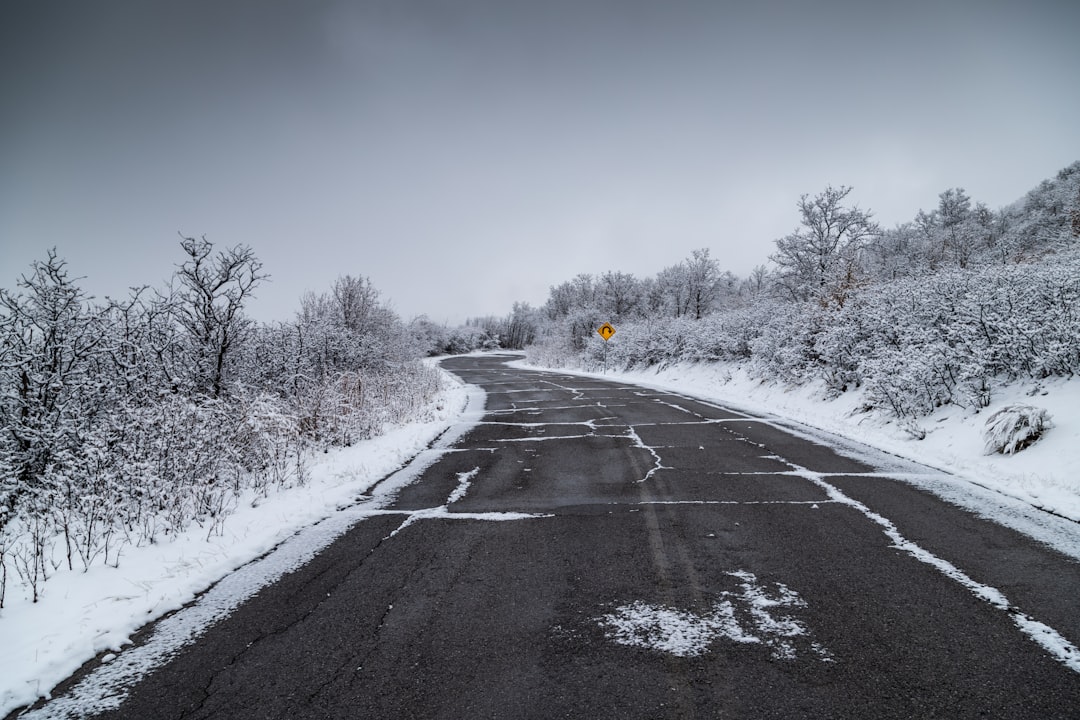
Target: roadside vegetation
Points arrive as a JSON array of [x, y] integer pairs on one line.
[[128, 421], [941, 310]]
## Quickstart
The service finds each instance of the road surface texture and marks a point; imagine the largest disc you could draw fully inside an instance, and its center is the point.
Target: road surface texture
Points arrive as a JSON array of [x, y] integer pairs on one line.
[[599, 550]]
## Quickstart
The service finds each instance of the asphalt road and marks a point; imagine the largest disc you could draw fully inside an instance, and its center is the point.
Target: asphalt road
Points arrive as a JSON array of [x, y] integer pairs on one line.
[[598, 550]]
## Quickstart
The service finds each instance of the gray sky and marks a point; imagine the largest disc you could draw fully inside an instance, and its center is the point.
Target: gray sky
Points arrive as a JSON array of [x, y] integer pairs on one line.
[[467, 154]]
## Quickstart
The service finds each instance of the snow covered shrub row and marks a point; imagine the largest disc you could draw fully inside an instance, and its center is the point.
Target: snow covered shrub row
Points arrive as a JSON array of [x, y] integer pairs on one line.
[[914, 344], [920, 344], [930, 312], [128, 422]]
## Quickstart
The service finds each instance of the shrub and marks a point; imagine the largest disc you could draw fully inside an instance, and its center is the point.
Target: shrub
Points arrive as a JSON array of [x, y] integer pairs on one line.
[[1014, 427]]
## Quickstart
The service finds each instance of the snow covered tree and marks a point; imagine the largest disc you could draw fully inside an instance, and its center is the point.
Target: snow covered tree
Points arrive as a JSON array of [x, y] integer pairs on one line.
[[703, 283], [691, 288], [209, 305], [819, 261], [673, 290], [572, 309], [47, 336], [895, 253], [619, 295], [356, 303], [756, 285], [1048, 217], [519, 327]]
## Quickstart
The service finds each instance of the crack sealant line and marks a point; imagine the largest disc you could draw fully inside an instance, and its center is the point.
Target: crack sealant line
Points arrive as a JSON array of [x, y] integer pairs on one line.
[[443, 513], [735, 502], [546, 438], [578, 394], [1045, 636], [586, 423], [680, 408], [464, 480], [802, 473], [659, 464]]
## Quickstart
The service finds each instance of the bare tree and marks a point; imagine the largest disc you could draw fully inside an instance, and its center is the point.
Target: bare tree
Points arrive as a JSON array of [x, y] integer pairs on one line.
[[355, 302], [209, 305], [819, 260], [703, 283]]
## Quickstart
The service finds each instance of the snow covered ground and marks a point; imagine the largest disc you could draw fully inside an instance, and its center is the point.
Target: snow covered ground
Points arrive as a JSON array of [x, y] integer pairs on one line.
[[83, 614], [1045, 475]]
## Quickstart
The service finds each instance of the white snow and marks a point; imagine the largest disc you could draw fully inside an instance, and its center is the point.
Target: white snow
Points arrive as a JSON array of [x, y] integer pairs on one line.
[[1014, 427], [464, 480], [677, 632], [685, 633]]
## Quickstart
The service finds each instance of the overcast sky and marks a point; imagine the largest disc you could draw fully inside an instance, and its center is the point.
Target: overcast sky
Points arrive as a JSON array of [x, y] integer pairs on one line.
[[466, 154]]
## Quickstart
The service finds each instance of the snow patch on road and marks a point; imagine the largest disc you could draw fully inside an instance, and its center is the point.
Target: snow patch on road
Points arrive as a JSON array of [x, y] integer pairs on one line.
[[752, 615], [442, 512], [676, 632]]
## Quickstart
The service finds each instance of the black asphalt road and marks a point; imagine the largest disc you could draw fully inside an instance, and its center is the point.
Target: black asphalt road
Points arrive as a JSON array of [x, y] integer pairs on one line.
[[682, 561]]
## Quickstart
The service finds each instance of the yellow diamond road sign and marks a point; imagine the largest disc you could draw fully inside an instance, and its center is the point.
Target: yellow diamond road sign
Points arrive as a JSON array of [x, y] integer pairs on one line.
[[606, 331]]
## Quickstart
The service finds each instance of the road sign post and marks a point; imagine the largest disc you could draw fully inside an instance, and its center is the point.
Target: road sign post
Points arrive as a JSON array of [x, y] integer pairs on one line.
[[605, 331]]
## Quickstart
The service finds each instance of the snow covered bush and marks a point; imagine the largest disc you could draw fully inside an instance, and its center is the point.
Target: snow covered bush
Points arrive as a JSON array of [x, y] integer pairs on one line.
[[1015, 427], [786, 348], [914, 344]]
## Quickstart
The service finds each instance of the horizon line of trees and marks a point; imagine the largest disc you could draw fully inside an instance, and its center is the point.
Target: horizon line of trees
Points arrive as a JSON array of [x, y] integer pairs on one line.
[[837, 250]]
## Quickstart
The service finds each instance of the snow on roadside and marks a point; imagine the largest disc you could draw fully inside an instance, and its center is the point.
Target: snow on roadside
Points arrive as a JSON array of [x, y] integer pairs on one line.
[[1043, 475], [82, 614]]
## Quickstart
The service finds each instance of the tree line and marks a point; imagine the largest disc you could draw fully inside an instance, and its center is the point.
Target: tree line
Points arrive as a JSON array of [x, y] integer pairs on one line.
[[938, 310]]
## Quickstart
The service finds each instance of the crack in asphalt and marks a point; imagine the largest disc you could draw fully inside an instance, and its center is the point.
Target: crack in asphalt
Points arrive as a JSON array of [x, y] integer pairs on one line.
[[209, 693], [1059, 647]]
